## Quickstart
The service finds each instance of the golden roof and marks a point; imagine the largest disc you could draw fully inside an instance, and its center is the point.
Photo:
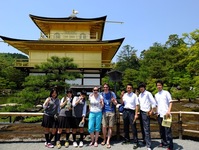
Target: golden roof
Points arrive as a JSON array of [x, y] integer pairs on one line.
[[46, 24], [108, 48]]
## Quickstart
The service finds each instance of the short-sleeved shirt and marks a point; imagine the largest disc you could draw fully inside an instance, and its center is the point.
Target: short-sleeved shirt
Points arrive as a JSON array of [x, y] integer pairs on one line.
[[163, 98], [146, 101], [95, 105], [130, 101], [108, 105]]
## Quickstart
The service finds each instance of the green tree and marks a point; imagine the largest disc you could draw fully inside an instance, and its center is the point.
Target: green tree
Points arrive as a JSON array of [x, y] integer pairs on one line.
[[127, 58], [11, 78], [58, 70], [37, 87], [153, 64], [130, 76]]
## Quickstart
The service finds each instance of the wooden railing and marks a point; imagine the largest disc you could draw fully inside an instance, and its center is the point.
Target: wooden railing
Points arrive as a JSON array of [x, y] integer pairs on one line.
[[180, 123], [80, 63]]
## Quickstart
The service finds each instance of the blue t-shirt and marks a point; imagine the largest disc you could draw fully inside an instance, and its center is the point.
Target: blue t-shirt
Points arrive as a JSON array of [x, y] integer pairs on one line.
[[108, 105]]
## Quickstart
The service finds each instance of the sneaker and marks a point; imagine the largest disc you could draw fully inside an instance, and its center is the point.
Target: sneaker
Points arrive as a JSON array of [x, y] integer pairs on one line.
[[45, 144], [148, 148], [49, 145], [75, 144], [81, 144], [95, 144], [66, 144], [135, 146], [58, 145]]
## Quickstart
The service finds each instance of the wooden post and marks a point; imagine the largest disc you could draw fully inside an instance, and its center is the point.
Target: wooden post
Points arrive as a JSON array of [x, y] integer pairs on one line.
[[10, 119], [180, 125]]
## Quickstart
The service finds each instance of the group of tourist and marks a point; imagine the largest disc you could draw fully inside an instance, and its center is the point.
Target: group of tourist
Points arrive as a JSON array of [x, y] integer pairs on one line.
[[69, 114]]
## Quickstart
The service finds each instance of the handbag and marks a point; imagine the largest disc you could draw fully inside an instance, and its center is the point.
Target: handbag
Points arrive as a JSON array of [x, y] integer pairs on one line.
[[121, 108]]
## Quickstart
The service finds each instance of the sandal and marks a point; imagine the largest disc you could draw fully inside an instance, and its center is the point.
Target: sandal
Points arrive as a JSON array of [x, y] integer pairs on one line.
[[108, 146], [103, 143], [96, 145]]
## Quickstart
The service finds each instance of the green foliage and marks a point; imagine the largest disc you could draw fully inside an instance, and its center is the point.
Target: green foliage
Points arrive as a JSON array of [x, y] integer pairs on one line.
[[33, 119], [37, 87], [56, 70], [175, 62], [130, 76], [10, 77], [127, 58], [9, 109]]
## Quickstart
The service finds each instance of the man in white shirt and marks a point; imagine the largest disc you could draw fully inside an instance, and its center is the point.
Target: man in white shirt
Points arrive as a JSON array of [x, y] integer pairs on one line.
[[130, 114], [147, 108], [164, 105]]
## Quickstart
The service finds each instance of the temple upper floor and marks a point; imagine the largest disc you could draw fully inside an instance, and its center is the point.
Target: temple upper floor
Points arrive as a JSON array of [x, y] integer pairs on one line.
[[70, 28], [62, 35]]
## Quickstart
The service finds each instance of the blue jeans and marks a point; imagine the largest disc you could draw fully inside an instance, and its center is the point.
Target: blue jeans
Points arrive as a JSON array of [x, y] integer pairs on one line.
[[94, 122]]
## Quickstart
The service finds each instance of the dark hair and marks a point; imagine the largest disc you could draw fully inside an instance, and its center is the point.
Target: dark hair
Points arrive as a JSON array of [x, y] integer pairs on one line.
[[83, 92], [69, 91], [106, 85], [159, 81], [129, 84], [52, 91], [142, 84]]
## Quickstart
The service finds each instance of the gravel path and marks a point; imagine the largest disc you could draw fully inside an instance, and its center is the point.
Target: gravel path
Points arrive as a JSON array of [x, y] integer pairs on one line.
[[116, 145]]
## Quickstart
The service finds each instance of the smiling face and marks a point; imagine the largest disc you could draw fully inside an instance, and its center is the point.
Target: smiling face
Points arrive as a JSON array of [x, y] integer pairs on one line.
[[95, 90], [106, 88]]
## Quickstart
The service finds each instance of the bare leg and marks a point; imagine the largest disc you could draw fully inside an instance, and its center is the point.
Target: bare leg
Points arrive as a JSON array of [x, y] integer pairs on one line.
[[96, 136], [104, 130], [109, 135], [92, 138], [59, 131]]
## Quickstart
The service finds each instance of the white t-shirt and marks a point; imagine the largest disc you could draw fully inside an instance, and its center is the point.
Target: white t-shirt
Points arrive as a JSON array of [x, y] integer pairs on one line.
[[130, 100], [146, 101], [163, 98], [95, 105]]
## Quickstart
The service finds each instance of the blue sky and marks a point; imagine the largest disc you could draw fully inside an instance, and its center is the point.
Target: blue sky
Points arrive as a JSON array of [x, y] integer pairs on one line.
[[145, 21]]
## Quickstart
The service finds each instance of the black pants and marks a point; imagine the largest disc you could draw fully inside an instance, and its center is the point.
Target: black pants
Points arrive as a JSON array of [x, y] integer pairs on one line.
[[128, 117], [145, 127], [165, 134]]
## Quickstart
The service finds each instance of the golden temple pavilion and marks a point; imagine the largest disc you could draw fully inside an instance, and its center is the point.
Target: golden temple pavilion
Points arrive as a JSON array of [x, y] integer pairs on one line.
[[78, 38]]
